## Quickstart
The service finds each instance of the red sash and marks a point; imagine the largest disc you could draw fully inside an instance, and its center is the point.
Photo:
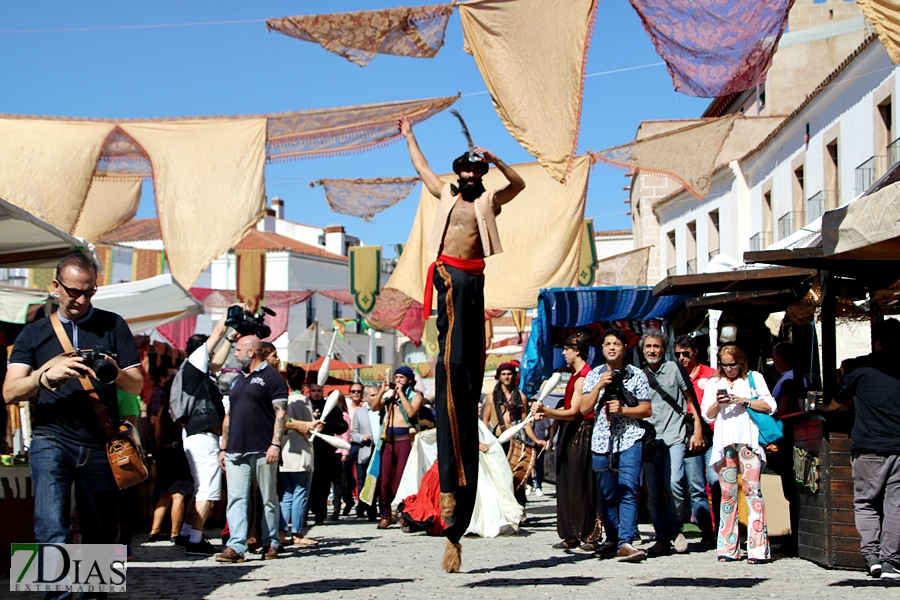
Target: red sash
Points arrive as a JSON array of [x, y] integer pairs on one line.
[[470, 266]]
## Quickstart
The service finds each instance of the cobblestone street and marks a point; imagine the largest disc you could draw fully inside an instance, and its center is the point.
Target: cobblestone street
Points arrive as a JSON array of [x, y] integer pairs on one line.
[[356, 560]]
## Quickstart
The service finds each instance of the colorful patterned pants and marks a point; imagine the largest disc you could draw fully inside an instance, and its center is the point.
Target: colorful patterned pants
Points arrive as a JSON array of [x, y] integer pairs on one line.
[[742, 458]]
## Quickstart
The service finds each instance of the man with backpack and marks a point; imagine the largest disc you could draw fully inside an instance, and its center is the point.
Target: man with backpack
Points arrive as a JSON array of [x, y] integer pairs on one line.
[[196, 404]]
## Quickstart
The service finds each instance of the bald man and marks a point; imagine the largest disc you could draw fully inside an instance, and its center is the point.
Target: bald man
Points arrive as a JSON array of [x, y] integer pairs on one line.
[[251, 445]]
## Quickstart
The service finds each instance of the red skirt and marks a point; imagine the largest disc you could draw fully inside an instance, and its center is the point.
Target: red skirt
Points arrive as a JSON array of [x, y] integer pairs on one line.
[[422, 511]]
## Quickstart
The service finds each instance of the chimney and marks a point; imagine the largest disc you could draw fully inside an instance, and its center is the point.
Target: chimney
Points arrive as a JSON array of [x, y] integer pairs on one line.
[[278, 207]]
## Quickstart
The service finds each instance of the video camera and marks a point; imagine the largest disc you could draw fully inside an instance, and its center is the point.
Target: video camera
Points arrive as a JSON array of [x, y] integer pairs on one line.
[[247, 323], [105, 371], [616, 389]]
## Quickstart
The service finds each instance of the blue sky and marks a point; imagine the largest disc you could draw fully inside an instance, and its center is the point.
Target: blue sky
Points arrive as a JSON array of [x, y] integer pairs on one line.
[[240, 68]]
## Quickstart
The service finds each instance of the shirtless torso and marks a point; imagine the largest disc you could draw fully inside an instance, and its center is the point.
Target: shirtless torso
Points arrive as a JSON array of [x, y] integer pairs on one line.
[[393, 414], [462, 238]]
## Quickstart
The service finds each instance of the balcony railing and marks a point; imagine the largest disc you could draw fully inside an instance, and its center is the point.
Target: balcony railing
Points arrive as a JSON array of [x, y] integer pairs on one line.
[[692, 266], [819, 203], [713, 252], [869, 172], [760, 241], [893, 153], [672, 271], [787, 224]]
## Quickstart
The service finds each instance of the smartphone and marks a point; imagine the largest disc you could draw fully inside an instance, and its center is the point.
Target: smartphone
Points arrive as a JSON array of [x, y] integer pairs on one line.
[[722, 395]]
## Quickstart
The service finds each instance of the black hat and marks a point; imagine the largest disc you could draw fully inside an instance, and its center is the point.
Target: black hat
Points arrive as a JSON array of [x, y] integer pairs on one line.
[[464, 161]]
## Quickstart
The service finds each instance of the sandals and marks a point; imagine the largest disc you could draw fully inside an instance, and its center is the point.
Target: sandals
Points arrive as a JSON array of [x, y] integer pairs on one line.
[[758, 561], [726, 559], [305, 541], [566, 545]]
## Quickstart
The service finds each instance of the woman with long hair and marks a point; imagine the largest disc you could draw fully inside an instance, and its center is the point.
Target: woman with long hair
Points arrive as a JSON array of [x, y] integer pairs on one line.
[[577, 504], [729, 397]]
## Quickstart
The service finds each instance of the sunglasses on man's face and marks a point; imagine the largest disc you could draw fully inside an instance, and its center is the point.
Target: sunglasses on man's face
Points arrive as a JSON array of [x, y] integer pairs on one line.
[[684, 353], [75, 293], [356, 391]]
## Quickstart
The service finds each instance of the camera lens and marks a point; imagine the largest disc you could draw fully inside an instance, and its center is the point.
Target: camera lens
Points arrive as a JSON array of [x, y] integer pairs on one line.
[[106, 371]]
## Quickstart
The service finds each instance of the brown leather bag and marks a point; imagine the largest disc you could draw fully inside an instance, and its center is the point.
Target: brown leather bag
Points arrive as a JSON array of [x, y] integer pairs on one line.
[[521, 461], [126, 454]]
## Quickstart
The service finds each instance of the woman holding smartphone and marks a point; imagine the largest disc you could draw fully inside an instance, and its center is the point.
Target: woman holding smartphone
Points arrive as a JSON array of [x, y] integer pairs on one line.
[[732, 392]]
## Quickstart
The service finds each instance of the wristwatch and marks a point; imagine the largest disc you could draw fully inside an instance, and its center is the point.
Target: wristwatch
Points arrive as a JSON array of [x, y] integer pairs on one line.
[[745, 404]]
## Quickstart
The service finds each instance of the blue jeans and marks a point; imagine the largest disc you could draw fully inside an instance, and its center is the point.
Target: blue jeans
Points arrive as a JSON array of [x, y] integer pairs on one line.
[[55, 466], [618, 494], [696, 472], [294, 491], [240, 474], [665, 490]]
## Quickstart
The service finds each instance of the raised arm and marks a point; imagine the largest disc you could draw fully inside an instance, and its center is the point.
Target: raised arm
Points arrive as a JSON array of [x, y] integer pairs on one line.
[[429, 179], [510, 190]]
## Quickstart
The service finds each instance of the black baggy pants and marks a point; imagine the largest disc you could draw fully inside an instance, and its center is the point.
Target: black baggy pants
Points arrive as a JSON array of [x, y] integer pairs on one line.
[[458, 378]]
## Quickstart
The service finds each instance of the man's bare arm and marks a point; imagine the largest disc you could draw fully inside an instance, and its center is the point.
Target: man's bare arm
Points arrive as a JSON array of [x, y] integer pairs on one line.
[[280, 418], [20, 383], [510, 190], [429, 179]]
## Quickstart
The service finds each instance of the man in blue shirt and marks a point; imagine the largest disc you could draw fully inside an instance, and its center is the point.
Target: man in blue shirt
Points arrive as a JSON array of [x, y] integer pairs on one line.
[[251, 445]]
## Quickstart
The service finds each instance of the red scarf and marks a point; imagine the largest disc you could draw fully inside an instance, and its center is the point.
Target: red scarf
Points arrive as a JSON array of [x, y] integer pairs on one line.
[[470, 266]]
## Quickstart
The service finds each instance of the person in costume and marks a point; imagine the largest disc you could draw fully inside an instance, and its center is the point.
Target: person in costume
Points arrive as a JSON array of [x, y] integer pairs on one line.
[[463, 235], [578, 520], [401, 409], [505, 407]]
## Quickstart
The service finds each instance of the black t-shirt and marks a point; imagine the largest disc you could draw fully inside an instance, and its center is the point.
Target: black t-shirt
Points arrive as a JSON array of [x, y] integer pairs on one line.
[[873, 381], [67, 413], [252, 416]]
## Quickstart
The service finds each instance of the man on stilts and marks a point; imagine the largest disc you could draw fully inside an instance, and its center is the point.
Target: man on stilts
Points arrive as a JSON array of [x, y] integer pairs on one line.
[[463, 235]]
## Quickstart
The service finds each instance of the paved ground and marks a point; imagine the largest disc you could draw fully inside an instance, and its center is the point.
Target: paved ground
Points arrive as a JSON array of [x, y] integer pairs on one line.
[[355, 560]]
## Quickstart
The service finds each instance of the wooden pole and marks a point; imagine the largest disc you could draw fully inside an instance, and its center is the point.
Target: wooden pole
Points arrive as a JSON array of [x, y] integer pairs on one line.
[[830, 290]]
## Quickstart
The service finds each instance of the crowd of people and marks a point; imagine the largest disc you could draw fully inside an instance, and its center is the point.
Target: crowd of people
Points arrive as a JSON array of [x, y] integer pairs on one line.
[[691, 433]]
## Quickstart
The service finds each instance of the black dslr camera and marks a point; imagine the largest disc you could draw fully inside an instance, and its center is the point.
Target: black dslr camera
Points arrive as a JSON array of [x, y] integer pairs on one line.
[[616, 389], [105, 371], [247, 323]]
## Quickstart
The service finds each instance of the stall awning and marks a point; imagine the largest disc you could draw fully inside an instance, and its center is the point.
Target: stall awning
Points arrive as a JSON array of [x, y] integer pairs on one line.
[[743, 280], [573, 307], [15, 303], [28, 242], [868, 229], [148, 303]]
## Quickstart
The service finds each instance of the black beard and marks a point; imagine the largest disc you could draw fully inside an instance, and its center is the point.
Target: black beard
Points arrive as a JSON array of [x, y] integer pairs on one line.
[[470, 188]]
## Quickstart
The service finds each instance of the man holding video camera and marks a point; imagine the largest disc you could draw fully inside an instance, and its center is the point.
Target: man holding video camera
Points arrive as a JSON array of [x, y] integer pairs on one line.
[[68, 442]]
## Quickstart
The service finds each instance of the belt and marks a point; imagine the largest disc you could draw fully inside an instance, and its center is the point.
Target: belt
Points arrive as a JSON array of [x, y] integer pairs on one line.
[[470, 266]]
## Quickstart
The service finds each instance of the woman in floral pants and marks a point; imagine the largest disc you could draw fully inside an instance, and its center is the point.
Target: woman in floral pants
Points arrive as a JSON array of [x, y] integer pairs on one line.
[[728, 397]]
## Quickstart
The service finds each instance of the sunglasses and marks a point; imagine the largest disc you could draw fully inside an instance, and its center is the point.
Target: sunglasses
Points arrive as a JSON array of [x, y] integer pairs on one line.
[[685, 354], [356, 391], [75, 293], [728, 365]]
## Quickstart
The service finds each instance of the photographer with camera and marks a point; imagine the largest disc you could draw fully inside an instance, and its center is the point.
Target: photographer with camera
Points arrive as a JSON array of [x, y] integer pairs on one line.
[[619, 395], [196, 404], [68, 442], [401, 408]]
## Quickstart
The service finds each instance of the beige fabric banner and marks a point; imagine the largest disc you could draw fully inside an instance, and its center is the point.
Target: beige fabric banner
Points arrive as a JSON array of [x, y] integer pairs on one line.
[[209, 184], [46, 166], [532, 55], [109, 204], [541, 233], [628, 268], [885, 16], [687, 155]]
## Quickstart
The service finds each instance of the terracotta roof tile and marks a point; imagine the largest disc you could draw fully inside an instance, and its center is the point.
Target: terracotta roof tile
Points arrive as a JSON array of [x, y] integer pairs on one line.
[[135, 230], [612, 233], [261, 240]]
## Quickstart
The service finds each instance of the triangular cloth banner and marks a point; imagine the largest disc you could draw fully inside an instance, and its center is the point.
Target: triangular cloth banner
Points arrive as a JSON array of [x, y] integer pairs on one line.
[[885, 16], [716, 47], [416, 31], [532, 55], [588, 255], [251, 277], [365, 277], [364, 198], [687, 155]]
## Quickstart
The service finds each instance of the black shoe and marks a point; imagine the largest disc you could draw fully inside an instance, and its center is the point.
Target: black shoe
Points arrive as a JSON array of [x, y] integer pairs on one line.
[[182, 540], [889, 571], [348, 508], [158, 537], [873, 566], [201, 548], [607, 549]]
